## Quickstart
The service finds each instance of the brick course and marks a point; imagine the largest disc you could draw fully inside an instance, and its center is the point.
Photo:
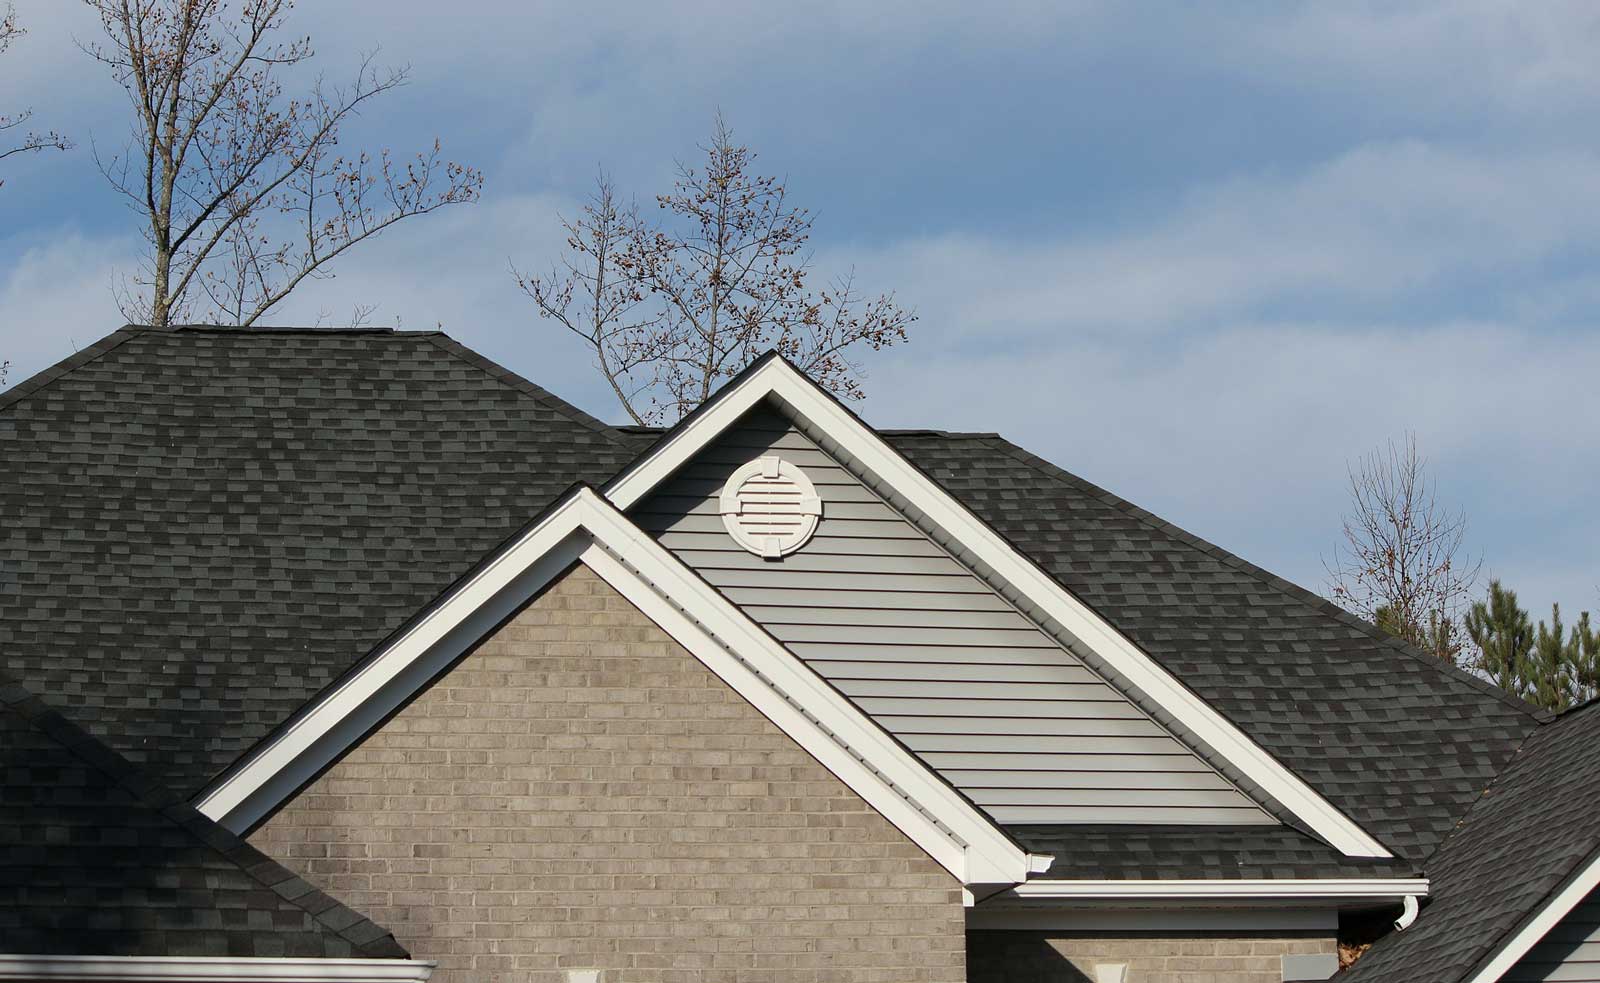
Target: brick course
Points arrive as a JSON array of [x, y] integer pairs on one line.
[[1056, 957], [582, 793]]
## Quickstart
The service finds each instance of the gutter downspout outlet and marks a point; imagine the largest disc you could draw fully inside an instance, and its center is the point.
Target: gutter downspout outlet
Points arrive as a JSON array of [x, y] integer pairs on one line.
[[1408, 913]]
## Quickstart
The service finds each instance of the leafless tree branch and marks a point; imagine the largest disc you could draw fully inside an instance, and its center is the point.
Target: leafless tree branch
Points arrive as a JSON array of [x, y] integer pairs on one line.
[[674, 308], [244, 193], [26, 141], [1402, 564]]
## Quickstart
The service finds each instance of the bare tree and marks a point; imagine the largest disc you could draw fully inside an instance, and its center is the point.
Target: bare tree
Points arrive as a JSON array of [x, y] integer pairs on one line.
[[243, 191], [597, 293], [674, 309], [26, 141], [1402, 564]]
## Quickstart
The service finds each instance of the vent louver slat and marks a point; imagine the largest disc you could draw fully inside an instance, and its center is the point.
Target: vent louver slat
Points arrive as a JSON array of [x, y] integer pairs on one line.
[[770, 507]]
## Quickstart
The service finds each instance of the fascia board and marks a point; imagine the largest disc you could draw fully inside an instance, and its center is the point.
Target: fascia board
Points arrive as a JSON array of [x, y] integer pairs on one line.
[[707, 624], [1213, 890], [342, 716], [206, 969], [778, 380], [1165, 919]]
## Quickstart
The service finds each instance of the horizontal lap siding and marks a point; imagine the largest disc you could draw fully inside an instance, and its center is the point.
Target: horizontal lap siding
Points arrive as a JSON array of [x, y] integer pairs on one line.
[[1569, 954], [934, 655]]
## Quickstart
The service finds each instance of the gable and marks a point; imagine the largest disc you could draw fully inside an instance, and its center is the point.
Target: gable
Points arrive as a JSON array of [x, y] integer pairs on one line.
[[1351, 710], [954, 671], [582, 785], [1569, 952], [583, 526]]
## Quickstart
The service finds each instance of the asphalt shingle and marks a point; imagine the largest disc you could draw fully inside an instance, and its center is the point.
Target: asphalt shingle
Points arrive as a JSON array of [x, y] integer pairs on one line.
[[95, 859], [1522, 840], [217, 523], [1399, 742], [1116, 853]]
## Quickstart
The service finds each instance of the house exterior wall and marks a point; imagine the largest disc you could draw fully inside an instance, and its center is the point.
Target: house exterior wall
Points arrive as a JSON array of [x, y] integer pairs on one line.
[[1058, 957], [582, 793], [980, 692], [1570, 952]]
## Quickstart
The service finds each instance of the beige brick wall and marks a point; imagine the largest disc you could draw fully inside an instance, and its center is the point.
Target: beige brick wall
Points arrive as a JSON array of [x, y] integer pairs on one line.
[[582, 793], [1045, 957]]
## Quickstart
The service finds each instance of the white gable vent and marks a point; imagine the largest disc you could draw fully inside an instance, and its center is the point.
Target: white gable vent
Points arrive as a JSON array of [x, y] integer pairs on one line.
[[770, 507]]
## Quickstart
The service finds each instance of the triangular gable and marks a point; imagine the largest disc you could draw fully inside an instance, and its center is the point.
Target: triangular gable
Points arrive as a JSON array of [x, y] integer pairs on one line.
[[971, 685], [584, 527], [1560, 940], [846, 437]]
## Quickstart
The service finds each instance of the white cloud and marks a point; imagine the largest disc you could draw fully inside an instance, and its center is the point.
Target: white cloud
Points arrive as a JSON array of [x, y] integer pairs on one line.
[[1375, 224], [1243, 435], [1218, 362], [57, 297]]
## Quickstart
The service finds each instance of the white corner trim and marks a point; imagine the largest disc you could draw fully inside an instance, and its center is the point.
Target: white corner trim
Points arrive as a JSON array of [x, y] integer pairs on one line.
[[1529, 935], [778, 380], [1313, 889], [1038, 863], [588, 528], [199, 969]]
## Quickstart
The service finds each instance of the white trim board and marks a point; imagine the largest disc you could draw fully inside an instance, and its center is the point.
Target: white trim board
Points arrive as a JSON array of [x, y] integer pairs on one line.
[[775, 379], [1215, 890], [1153, 919], [1559, 905], [207, 969], [585, 527]]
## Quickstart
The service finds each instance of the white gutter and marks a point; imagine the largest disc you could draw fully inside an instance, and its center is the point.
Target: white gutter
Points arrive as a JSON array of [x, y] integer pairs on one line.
[[211, 969], [1317, 889]]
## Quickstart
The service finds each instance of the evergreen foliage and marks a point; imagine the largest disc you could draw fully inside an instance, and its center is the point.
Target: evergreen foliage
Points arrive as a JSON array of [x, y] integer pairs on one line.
[[1548, 665]]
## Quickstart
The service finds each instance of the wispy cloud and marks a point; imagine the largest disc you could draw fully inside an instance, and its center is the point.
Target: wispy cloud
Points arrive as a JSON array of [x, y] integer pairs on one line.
[[1203, 256]]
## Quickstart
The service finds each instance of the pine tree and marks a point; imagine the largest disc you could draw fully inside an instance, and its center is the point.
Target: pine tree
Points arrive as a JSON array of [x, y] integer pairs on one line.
[[1503, 634], [1547, 673], [1583, 660], [1549, 666]]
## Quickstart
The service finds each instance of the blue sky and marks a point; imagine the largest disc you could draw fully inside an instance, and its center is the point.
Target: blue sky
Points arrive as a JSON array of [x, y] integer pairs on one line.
[[1203, 255]]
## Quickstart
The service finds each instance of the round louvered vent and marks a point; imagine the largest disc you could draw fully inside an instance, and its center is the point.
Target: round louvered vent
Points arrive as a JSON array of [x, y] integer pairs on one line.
[[770, 507]]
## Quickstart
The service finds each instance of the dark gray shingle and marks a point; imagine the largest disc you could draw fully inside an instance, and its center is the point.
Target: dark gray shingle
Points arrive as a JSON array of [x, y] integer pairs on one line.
[[1524, 838], [95, 859], [217, 523], [1116, 852], [1399, 742]]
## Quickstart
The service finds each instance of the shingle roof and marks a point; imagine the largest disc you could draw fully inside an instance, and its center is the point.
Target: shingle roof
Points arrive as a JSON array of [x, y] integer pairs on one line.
[[1525, 837], [97, 860], [1400, 743], [218, 523], [1120, 852]]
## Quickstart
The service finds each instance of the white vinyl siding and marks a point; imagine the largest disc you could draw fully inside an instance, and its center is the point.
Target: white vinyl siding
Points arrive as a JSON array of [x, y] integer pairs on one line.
[[1570, 953], [1006, 714]]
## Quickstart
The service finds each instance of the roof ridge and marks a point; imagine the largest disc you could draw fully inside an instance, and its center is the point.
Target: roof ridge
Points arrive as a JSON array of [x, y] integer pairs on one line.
[[526, 387], [365, 936], [255, 329], [1287, 587], [83, 356]]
